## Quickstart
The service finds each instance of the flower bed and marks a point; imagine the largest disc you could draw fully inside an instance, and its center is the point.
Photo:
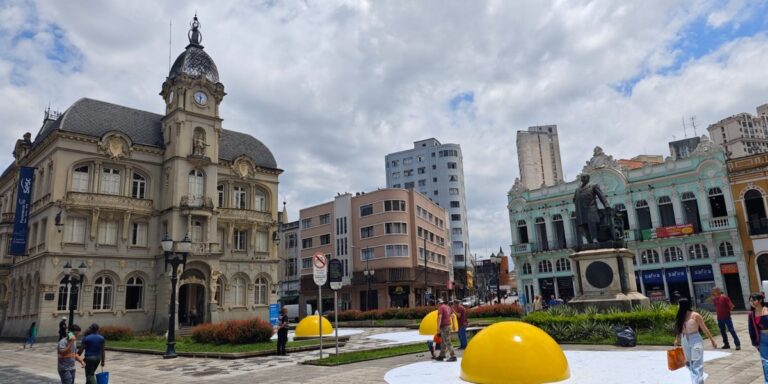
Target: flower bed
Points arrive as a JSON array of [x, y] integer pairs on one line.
[[417, 313], [253, 330]]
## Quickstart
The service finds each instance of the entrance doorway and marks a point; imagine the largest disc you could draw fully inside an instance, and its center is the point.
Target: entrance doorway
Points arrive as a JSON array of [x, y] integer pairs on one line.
[[192, 304], [732, 282]]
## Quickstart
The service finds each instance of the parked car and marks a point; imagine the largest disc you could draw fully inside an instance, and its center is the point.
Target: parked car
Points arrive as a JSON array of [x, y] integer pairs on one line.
[[469, 301]]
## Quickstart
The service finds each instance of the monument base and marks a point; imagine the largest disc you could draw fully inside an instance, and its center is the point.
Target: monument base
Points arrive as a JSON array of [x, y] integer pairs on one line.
[[606, 279]]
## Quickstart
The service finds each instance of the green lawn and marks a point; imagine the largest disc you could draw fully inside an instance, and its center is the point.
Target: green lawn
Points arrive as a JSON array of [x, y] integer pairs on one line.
[[187, 345], [371, 354]]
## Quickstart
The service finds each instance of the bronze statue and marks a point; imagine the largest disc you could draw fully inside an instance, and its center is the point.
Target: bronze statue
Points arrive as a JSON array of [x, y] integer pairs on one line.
[[588, 216]]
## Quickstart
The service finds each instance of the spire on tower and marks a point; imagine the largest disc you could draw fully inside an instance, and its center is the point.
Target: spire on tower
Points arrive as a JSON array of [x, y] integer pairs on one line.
[[194, 35]]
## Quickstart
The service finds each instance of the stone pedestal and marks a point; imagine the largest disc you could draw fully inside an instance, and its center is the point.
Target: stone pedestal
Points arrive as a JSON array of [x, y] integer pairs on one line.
[[606, 278]]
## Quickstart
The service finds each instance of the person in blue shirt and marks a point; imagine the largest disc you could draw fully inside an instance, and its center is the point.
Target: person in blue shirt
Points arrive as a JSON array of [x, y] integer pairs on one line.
[[93, 346]]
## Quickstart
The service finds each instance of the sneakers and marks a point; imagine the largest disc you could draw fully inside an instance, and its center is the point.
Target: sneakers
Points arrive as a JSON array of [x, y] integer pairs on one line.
[[726, 347], [439, 358], [738, 348], [452, 358]]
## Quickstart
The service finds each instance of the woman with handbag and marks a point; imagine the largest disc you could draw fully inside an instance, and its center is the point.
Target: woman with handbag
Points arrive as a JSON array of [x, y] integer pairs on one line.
[[688, 324], [758, 328]]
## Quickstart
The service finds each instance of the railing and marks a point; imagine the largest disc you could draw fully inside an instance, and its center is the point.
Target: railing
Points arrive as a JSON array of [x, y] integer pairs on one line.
[[244, 215], [521, 248], [109, 201], [196, 202]]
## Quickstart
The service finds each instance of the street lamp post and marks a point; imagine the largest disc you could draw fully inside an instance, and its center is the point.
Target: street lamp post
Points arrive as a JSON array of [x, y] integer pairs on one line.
[[75, 277], [369, 273], [497, 261], [174, 259]]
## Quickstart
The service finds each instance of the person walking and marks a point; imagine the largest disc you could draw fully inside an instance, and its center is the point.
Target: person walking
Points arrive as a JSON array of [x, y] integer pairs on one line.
[[444, 319], [31, 335], [67, 355], [63, 328], [461, 317], [282, 332], [537, 305], [723, 307], [758, 328], [688, 323], [93, 345]]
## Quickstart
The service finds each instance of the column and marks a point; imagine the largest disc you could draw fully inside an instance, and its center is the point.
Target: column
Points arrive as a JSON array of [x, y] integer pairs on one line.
[[548, 224], [631, 216], [702, 199], [128, 177], [530, 226], [653, 206], [677, 207], [96, 177], [570, 240]]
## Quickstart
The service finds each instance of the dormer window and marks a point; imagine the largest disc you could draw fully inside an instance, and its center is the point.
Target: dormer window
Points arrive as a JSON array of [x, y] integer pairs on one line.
[[80, 179]]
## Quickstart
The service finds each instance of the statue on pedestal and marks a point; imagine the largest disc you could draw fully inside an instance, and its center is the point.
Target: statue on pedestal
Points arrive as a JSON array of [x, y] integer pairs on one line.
[[600, 227]]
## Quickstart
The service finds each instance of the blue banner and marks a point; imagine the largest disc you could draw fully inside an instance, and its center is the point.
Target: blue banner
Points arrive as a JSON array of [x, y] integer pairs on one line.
[[652, 277], [676, 275], [23, 201], [274, 314], [702, 273]]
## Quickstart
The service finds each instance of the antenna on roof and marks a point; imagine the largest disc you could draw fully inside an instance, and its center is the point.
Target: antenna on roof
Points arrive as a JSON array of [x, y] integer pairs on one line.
[[170, 41], [685, 133], [693, 123]]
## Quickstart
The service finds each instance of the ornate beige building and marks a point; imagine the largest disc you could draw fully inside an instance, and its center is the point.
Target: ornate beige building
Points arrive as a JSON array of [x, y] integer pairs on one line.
[[111, 181]]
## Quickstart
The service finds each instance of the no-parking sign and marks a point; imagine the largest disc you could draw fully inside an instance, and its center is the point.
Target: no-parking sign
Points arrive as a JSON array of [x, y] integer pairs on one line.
[[319, 268]]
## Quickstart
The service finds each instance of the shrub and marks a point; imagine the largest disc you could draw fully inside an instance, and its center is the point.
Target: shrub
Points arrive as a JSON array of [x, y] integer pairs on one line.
[[116, 333], [253, 330], [497, 310], [384, 314]]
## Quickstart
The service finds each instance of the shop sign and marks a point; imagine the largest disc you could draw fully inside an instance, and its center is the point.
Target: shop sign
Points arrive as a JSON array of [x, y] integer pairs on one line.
[[665, 232], [676, 275], [729, 269], [702, 273], [652, 277]]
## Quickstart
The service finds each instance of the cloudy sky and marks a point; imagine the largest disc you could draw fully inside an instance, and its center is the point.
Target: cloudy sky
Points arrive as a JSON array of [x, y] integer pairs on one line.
[[332, 86]]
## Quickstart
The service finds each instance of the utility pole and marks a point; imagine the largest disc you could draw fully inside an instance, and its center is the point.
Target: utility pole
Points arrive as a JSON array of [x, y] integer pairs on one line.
[[426, 285]]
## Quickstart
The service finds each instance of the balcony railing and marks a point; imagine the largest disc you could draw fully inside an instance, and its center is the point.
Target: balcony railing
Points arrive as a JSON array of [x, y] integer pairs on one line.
[[244, 215], [719, 223], [106, 201], [196, 202]]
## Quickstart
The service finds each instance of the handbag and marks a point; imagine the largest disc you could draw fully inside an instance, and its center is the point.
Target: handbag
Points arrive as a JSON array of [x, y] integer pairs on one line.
[[102, 377], [675, 358]]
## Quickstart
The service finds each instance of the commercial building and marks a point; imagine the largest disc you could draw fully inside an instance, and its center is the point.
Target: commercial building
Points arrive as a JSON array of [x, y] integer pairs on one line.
[[437, 171], [538, 155], [110, 182], [679, 220], [742, 134], [289, 261], [490, 273], [380, 238]]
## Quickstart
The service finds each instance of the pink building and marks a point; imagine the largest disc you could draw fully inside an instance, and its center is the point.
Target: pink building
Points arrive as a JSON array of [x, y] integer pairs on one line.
[[380, 238]]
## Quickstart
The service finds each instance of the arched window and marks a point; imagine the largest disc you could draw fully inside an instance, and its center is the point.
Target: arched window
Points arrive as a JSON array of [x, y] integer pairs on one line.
[[726, 249], [557, 222], [698, 251], [219, 297], [139, 186], [673, 254], [110, 181], [545, 266], [649, 256], [563, 265], [220, 195], [541, 234], [81, 179], [756, 218], [67, 293], [196, 182], [691, 211], [30, 301], [522, 231], [643, 213], [717, 202], [134, 293], [102, 293], [621, 209], [238, 286], [262, 291], [666, 212], [259, 200], [527, 270]]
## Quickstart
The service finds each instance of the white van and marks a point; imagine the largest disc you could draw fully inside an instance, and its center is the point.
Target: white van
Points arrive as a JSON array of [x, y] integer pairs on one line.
[[293, 312]]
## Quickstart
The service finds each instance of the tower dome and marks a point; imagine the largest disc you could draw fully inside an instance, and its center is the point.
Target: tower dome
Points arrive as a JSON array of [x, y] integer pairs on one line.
[[194, 62]]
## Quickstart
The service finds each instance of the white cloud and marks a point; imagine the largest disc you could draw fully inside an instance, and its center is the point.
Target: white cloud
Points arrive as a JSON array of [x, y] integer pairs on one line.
[[333, 86]]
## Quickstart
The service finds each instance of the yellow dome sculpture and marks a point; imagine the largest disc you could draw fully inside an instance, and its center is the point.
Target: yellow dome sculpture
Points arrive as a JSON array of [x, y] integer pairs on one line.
[[428, 325], [309, 327], [513, 352]]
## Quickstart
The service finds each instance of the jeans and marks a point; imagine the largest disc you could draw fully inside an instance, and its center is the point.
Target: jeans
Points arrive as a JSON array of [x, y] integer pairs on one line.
[[445, 334], [282, 340], [763, 348], [462, 337], [693, 346], [30, 341], [91, 364], [728, 323], [67, 376]]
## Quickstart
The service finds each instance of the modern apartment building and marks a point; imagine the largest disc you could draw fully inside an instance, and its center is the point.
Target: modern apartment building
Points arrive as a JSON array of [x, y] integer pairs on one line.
[[380, 238], [742, 134], [437, 171], [538, 155]]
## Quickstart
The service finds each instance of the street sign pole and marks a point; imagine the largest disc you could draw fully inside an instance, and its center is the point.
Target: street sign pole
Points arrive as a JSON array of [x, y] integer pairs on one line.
[[335, 274], [336, 318], [320, 276], [320, 316]]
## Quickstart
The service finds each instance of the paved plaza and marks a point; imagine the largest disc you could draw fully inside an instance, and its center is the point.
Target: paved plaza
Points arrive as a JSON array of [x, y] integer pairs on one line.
[[38, 365]]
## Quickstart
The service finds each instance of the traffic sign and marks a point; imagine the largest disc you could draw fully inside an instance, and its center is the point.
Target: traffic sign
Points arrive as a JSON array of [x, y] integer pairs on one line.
[[319, 268], [335, 273]]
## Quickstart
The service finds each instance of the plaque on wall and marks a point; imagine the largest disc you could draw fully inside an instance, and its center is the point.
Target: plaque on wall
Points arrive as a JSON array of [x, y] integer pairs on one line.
[[49, 296], [599, 274]]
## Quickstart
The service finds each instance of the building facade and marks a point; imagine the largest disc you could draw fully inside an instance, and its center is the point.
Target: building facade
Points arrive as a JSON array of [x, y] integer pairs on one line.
[[538, 155], [111, 181], [380, 238], [749, 182], [742, 134], [289, 262], [489, 275], [437, 171], [679, 220]]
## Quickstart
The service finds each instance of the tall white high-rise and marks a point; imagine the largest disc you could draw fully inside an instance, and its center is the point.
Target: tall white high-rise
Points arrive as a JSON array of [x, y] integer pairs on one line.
[[742, 134], [538, 154], [436, 170]]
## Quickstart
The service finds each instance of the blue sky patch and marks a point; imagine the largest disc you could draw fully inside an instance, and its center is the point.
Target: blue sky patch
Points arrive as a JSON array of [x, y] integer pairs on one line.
[[461, 100]]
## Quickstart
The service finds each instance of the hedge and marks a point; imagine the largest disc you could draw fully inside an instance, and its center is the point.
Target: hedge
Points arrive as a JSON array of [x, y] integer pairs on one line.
[[116, 333], [254, 330], [417, 313]]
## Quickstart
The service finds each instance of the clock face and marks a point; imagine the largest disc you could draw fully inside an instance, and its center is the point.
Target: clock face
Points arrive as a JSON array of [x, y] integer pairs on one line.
[[201, 98]]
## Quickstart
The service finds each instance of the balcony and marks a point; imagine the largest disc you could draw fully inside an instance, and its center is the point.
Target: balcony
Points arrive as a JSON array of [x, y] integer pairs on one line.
[[519, 249], [200, 248], [200, 202], [247, 215], [720, 223], [109, 202]]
